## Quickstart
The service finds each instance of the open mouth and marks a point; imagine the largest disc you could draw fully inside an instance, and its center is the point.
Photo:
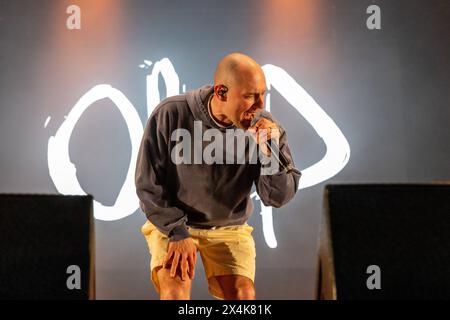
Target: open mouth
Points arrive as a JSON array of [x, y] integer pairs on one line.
[[247, 118]]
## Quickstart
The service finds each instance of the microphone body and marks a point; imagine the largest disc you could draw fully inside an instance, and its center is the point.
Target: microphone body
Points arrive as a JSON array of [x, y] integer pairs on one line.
[[274, 148]]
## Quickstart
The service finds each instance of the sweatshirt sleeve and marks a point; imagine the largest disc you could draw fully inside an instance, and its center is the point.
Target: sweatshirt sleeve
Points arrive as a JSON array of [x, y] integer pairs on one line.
[[150, 177], [279, 188]]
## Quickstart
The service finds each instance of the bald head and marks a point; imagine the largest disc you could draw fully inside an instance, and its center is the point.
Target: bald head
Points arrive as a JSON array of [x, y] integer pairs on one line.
[[239, 90], [235, 68]]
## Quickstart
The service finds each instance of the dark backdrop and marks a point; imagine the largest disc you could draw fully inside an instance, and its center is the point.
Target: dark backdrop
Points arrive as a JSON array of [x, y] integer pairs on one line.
[[387, 90]]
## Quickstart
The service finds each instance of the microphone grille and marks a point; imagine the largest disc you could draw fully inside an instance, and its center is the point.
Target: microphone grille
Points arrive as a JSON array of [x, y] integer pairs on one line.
[[261, 114]]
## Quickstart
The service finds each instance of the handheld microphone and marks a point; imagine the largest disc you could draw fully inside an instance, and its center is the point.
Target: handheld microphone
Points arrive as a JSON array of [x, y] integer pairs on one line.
[[272, 145]]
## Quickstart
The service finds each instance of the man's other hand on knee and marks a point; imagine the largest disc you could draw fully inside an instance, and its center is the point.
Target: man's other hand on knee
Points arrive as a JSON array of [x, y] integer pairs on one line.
[[182, 255]]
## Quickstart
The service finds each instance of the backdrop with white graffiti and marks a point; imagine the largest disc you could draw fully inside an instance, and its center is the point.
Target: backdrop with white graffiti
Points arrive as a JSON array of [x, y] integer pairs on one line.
[[361, 88]]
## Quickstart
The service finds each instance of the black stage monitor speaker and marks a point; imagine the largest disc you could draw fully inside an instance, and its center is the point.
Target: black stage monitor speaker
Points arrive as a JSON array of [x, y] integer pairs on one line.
[[46, 247], [385, 242]]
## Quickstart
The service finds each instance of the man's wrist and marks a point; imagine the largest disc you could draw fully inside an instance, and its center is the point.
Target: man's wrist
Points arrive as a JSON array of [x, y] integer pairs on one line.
[[179, 233]]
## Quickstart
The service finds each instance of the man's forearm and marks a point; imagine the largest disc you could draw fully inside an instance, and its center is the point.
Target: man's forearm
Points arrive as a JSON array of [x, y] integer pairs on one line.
[[278, 189]]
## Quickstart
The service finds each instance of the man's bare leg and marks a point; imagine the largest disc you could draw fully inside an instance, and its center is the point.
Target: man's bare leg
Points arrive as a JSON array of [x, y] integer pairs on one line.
[[173, 288], [236, 287]]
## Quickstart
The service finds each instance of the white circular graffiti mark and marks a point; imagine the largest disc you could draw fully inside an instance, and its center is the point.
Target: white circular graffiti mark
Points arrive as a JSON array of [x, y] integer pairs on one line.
[[171, 80], [338, 149], [62, 170]]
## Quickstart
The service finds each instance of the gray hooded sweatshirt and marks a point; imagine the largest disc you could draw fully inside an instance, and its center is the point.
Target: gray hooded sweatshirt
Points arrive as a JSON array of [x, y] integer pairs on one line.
[[174, 196]]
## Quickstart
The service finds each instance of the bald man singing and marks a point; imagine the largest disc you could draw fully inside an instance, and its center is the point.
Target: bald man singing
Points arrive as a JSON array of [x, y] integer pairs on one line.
[[195, 205]]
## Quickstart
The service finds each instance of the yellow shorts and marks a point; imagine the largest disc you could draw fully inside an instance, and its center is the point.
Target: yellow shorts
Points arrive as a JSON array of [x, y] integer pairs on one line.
[[224, 251]]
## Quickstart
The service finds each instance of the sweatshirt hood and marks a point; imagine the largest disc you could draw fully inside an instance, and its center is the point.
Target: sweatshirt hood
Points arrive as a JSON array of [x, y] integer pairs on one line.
[[198, 104]]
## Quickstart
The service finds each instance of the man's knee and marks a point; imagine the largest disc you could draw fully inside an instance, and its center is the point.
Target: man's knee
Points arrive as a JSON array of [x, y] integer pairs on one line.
[[174, 294], [245, 292], [237, 288], [173, 288]]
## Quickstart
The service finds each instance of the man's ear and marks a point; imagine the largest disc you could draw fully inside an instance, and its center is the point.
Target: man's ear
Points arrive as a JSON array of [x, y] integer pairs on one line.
[[221, 92]]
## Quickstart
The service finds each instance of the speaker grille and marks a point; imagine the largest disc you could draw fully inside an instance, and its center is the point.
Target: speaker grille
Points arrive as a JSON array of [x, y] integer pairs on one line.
[[403, 229], [40, 237]]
